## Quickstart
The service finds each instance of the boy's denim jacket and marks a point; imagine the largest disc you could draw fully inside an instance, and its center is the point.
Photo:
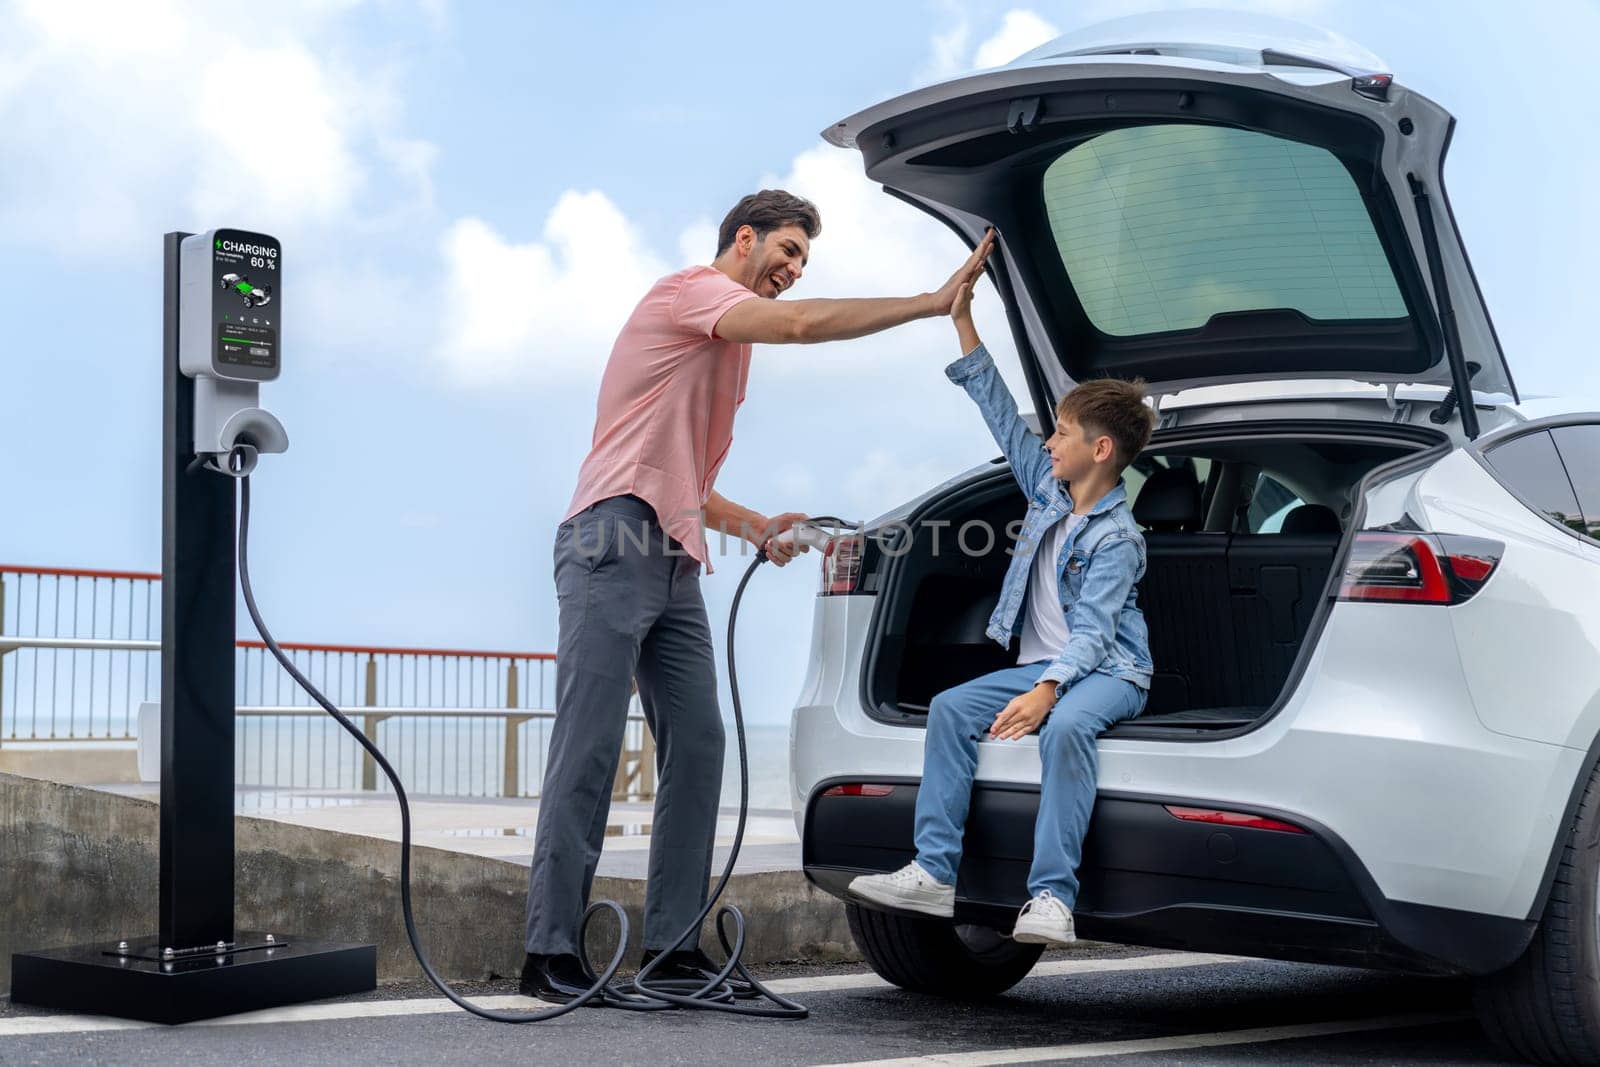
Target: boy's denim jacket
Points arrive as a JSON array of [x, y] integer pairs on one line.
[[1100, 560]]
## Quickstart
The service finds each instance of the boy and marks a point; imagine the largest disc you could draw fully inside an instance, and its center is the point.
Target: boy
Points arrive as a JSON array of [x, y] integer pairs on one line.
[[1084, 660]]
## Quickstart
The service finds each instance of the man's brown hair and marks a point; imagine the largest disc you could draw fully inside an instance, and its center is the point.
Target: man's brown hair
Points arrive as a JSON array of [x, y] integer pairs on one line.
[[1113, 408], [766, 211]]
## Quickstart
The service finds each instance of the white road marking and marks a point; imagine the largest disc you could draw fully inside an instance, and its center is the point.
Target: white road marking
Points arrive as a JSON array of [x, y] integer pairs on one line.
[[304, 1013], [21, 1025], [294, 1013], [1088, 1050], [1050, 969]]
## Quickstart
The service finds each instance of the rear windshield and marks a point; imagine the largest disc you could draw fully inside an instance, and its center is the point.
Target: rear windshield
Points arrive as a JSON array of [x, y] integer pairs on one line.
[[1162, 227]]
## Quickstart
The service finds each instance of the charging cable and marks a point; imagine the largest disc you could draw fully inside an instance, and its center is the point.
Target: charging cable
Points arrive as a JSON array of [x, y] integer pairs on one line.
[[717, 993]]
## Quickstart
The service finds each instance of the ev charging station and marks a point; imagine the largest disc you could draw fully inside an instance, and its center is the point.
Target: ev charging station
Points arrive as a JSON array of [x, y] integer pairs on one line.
[[222, 321]]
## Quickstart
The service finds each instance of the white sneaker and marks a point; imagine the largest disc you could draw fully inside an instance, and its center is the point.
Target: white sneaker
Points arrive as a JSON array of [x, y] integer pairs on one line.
[[1044, 920], [909, 889]]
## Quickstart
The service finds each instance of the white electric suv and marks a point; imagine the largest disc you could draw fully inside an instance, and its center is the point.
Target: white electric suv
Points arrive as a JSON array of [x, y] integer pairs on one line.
[[1373, 579]]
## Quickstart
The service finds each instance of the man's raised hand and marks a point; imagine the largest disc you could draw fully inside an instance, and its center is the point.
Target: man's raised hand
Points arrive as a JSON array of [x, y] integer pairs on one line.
[[968, 274]]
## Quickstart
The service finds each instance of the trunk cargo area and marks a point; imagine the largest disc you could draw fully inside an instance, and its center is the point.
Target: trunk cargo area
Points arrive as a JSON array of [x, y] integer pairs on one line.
[[1229, 610]]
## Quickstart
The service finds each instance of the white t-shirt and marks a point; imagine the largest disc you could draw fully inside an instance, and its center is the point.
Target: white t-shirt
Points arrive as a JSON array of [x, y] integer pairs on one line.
[[1044, 625]]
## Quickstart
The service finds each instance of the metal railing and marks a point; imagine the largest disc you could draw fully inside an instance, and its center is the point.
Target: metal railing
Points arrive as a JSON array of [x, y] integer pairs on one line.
[[492, 752], [79, 652], [445, 750], [75, 652]]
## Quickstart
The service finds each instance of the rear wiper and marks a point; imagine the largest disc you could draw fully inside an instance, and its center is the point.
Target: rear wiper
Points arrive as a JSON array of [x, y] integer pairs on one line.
[[1461, 371]]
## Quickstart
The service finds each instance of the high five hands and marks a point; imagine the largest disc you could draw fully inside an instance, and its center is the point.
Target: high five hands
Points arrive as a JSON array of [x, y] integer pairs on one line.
[[967, 276]]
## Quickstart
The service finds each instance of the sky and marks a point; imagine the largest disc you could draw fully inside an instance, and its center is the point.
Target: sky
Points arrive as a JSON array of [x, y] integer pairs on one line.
[[471, 197]]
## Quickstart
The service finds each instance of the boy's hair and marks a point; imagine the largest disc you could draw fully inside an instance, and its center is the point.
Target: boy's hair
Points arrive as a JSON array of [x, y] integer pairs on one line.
[[766, 211], [1113, 408]]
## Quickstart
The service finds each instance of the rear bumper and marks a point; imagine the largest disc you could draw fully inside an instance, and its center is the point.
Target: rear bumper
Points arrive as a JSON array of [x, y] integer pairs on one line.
[[1149, 878]]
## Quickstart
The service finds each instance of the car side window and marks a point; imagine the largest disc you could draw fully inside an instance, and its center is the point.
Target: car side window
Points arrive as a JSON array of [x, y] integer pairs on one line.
[[1531, 467], [1270, 503], [1579, 447]]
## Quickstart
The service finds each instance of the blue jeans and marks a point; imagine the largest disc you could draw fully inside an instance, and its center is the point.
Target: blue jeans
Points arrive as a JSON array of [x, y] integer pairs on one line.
[[960, 717]]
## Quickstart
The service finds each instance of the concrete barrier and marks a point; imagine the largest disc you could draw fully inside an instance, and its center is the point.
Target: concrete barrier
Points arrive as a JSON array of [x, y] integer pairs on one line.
[[78, 865]]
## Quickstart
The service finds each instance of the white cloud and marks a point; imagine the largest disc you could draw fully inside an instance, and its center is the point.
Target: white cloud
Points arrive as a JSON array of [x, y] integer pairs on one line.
[[1020, 31], [545, 309], [140, 118], [884, 477], [951, 53], [1023, 29], [874, 245], [793, 481], [525, 312], [287, 156], [698, 242], [870, 245], [518, 313], [550, 309], [949, 56]]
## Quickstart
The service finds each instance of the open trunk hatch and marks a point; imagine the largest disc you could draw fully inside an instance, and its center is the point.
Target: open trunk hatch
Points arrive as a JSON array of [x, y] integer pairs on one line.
[[1200, 214]]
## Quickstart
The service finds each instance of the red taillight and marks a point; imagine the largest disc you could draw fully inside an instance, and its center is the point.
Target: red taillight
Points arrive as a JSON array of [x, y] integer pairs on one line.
[[859, 789], [841, 566], [1390, 566], [1231, 818], [1471, 568], [1417, 568]]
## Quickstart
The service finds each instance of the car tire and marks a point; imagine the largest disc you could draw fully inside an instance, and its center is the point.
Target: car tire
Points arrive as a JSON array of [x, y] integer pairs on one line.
[[937, 956], [1545, 1008]]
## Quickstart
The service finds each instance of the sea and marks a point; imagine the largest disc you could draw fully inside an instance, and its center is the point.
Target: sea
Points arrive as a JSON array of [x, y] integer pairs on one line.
[[768, 747], [434, 756]]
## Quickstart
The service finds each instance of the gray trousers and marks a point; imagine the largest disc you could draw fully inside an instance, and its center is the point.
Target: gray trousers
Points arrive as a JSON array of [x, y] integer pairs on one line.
[[629, 608]]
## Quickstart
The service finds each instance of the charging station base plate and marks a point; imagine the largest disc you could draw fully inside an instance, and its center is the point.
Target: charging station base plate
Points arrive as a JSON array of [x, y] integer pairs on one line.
[[97, 980]]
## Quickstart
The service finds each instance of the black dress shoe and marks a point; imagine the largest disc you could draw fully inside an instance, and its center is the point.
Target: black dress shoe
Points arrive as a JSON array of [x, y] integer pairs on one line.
[[557, 979], [686, 971]]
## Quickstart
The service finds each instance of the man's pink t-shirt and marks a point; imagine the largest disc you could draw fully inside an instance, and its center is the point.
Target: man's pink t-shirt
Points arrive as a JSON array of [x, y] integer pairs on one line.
[[664, 421]]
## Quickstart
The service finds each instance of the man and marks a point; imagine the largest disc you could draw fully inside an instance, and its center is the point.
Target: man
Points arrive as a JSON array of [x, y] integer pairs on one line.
[[627, 569]]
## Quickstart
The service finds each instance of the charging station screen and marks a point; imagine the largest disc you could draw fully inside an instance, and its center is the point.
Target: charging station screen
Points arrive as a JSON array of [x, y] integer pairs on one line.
[[245, 268]]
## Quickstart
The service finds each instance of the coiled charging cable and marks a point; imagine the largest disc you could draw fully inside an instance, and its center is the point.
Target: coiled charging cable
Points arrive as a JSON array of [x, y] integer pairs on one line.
[[717, 993]]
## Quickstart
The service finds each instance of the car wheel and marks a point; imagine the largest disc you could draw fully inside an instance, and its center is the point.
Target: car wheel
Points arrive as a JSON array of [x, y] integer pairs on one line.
[[1546, 1007], [937, 956]]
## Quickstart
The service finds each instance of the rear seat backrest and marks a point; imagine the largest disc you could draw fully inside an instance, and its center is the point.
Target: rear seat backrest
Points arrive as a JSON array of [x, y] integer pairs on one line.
[[1169, 502], [1312, 519], [1185, 598]]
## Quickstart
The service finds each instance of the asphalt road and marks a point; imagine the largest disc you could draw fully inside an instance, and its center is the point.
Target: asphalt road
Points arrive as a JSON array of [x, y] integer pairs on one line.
[[1111, 1006]]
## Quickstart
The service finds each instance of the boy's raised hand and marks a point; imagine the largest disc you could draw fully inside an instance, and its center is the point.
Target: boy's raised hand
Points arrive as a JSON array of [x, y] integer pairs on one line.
[[961, 304], [961, 309]]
